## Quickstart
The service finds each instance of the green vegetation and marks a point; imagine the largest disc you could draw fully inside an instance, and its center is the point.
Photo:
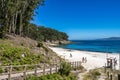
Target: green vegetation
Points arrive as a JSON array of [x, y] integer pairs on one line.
[[65, 69], [41, 33], [14, 52], [53, 77], [63, 74], [1, 70], [51, 34], [40, 44], [18, 55], [92, 75], [81, 68]]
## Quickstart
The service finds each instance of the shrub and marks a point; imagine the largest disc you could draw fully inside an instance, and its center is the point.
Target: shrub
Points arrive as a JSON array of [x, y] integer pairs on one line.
[[60, 43], [65, 69], [52, 77], [40, 44], [95, 72], [1, 71], [92, 75], [79, 68]]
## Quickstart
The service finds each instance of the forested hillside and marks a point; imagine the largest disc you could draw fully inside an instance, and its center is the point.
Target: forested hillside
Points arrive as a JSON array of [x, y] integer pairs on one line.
[[42, 33], [15, 17]]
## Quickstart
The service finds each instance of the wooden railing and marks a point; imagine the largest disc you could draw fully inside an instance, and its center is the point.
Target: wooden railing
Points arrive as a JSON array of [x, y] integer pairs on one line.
[[12, 72]]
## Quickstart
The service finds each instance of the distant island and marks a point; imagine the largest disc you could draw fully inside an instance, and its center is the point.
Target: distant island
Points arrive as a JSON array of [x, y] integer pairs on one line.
[[110, 38]]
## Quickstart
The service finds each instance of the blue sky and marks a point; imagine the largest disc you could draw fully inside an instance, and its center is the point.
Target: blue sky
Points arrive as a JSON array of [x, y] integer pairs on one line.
[[81, 19]]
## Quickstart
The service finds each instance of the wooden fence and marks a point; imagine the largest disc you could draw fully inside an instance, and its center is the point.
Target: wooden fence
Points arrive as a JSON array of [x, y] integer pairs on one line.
[[19, 72]]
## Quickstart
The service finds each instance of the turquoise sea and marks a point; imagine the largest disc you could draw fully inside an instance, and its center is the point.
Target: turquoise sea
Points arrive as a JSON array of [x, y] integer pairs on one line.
[[111, 46]]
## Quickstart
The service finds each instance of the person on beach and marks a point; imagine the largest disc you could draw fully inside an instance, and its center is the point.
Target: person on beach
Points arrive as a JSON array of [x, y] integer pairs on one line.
[[114, 64], [70, 55], [115, 61], [111, 64], [108, 62], [83, 59]]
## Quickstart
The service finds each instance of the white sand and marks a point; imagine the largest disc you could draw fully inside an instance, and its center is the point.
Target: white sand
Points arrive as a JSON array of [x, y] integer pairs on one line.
[[94, 59]]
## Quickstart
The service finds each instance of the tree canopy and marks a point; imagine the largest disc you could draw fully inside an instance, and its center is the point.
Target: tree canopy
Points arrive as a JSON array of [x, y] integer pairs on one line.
[[15, 16], [45, 34]]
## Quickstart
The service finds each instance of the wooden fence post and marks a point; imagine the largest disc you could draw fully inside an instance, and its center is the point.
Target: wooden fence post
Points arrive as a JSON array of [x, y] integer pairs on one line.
[[110, 76], [36, 70], [107, 74], [50, 70], [118, 77], [80, 63], [56, 67], [71, 64], [60, 64], [105, 67], [74, 64], [10, 72], [44, 69], [77, 64], [24, 72]]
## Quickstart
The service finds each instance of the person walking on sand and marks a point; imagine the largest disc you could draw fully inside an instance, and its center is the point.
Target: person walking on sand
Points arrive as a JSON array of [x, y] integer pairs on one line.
[[83, 59], [70, 55], [115, 61]]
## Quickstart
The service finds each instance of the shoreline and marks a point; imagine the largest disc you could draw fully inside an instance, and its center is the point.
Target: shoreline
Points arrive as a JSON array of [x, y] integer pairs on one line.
[[87, 50], [94, 59]]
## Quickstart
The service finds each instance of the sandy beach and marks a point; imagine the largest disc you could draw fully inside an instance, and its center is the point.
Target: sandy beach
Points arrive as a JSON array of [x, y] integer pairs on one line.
[[94, 59]]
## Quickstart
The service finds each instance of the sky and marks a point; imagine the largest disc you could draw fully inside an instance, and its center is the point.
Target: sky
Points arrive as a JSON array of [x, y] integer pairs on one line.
[[81, 19]]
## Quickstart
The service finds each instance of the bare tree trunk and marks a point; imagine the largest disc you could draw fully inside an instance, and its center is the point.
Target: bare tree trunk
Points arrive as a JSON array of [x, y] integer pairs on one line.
[[7, 21], [21, 26], [10, 27], [21, 17], [15, 25]]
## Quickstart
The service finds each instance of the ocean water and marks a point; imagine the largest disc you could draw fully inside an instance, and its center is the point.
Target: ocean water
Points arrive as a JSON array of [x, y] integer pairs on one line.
[[111, 46]]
